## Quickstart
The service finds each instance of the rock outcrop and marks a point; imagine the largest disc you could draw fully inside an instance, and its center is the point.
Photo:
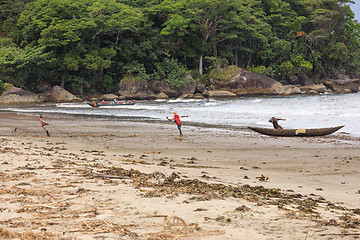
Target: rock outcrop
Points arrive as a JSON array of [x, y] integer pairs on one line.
[[219, 94], [344, 85], [137, 90], [243, 82], [58, 94], [18, 96], [141, 89], [109, 97]]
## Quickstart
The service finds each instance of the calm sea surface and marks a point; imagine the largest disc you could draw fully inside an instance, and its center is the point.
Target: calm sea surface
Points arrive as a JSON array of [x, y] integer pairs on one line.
[[299, 111]]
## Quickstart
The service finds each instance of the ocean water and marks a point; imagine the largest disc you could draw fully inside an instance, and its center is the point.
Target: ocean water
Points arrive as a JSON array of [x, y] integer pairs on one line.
[[300, 111]]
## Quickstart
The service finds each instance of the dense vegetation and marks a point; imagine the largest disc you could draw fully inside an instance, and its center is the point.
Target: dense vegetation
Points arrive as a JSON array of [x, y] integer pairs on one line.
[[92, 45]]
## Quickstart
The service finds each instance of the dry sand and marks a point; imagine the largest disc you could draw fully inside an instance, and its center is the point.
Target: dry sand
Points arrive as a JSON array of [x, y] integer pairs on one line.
[[207, 185]]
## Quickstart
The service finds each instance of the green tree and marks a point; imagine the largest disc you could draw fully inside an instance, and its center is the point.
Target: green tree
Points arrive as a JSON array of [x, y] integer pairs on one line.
[[70, 31]]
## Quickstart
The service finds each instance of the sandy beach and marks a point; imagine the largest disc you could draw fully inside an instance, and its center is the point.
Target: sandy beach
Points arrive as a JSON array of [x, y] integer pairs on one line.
[[106, 179]]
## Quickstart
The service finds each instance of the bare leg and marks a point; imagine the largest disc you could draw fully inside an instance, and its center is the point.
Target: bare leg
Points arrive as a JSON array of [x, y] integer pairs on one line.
[[47, 132], [179, 127]]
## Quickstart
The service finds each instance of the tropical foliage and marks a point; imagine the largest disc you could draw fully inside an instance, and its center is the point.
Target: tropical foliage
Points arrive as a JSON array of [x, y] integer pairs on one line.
[[91, 45]]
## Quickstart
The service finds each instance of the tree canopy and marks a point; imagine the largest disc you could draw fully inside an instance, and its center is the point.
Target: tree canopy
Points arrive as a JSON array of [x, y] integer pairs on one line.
[[91, 45]]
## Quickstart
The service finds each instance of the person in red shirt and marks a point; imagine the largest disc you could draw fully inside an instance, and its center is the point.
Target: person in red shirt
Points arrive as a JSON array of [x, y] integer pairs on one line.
[[177, 120], [43, 124]]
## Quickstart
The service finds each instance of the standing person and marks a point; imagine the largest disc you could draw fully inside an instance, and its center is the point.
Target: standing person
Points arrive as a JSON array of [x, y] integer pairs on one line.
[[275, 123], [176, 118], [43, 124]]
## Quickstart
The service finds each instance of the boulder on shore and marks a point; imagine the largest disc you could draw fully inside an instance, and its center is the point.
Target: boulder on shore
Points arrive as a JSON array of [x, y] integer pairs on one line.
[[219, 94], [58, 94], [108, 97], [164, 87], [162, 96], [291, 90], [313, 89], [189, 87], [345, 85], [16, 95], [135, 90], [243, 82]]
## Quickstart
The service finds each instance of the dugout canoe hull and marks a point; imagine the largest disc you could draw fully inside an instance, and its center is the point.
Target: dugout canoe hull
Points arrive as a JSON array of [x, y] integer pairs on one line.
[[296, 132], [111, 104]]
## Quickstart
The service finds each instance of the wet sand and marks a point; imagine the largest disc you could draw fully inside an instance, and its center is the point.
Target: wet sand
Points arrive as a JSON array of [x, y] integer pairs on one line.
[[209, 184]]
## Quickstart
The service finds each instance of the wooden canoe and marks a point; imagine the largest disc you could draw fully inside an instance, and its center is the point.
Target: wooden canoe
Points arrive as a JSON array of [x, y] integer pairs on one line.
[[296, 132], [110, 104]]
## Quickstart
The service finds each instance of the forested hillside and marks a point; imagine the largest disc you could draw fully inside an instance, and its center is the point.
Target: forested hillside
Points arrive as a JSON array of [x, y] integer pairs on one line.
[[93, 45]]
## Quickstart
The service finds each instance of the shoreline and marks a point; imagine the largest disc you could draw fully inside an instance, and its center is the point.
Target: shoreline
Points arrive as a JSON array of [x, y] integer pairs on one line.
[[316, 168]]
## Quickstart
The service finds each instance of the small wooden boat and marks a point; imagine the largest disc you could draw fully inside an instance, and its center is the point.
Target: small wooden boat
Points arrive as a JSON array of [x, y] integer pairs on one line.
[[296, 132], [110, 103]]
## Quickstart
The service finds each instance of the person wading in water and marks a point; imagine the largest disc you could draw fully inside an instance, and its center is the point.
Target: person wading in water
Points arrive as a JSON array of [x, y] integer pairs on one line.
[[176, 118], [275, 123], [43, 124]]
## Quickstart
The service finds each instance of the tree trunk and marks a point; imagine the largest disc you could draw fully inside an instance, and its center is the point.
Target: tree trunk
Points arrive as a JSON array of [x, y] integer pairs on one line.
[[201, 65], [236, 59], [62, 83], [214, 48]]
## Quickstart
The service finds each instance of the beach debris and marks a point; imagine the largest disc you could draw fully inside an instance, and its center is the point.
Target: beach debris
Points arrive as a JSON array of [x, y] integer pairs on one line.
[[15, 129], [102, 226], [10, 234], [36, 206], [179, 138], [175, 225], [200, 209], [242, 208], [127, 136], [157, 215], [109, 176], [262, 178], [152, 152], [158, 175]]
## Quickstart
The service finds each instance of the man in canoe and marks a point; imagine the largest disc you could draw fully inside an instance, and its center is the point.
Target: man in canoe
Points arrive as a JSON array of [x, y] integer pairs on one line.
[[43, 124], [176, 118], [275, 123]]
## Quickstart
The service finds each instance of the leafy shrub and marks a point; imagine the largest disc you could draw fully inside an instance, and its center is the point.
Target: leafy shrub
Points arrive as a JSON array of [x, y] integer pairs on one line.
[[170, 70], [76, 83], [286, 68], [4, 87], [268, 71], [107, 84], [224, 73]]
